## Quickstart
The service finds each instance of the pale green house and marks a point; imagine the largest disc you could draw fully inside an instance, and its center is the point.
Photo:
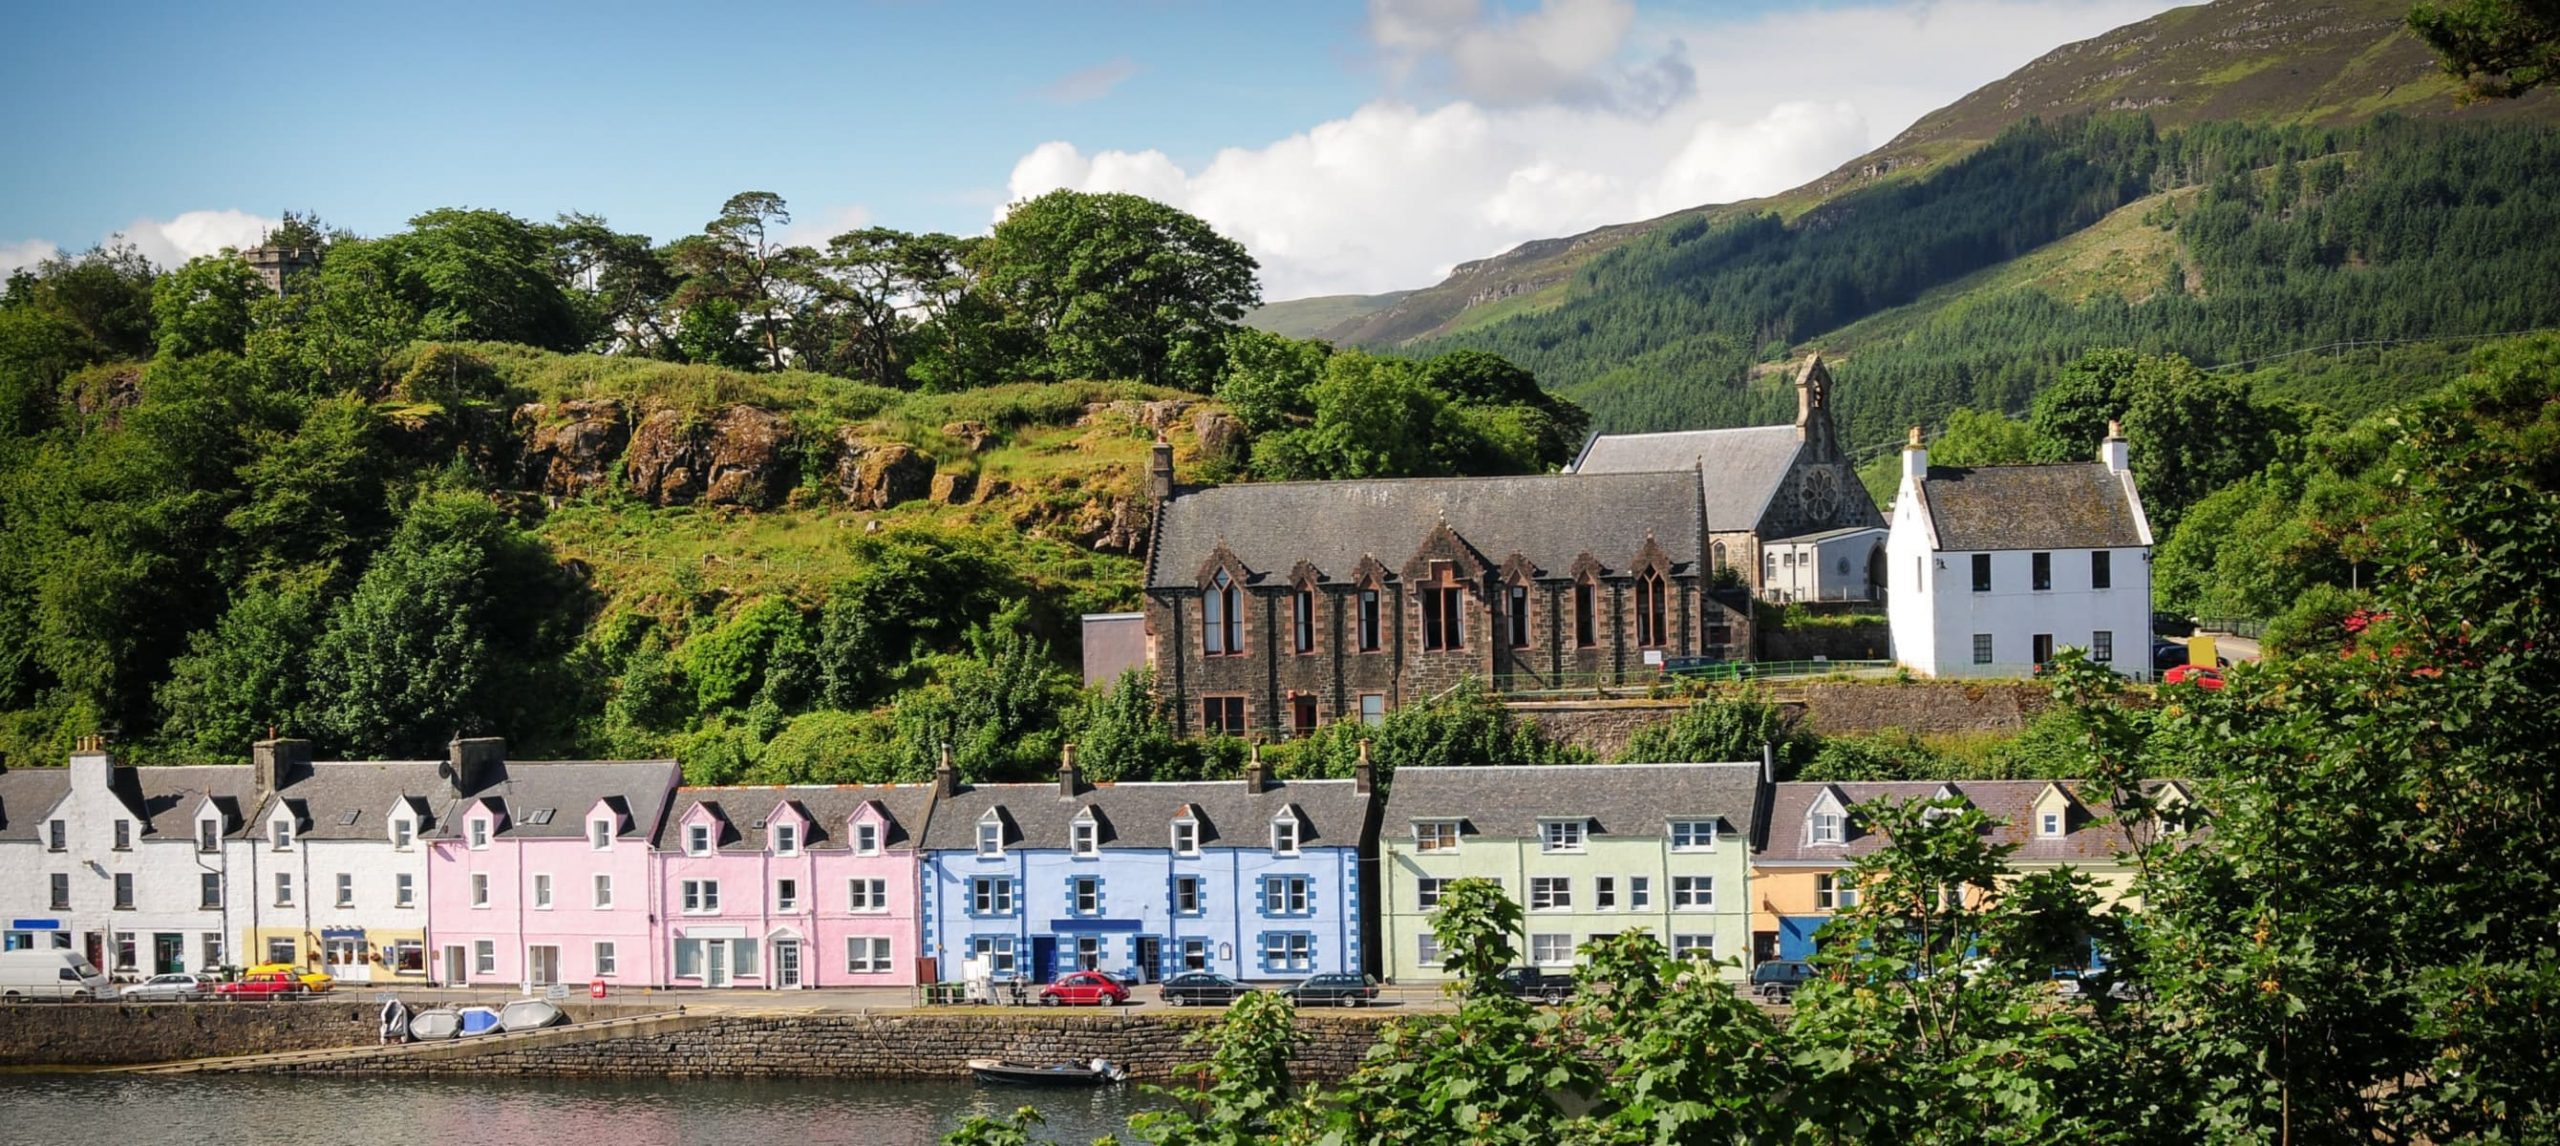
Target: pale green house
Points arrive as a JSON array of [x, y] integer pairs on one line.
[[1584, 849]]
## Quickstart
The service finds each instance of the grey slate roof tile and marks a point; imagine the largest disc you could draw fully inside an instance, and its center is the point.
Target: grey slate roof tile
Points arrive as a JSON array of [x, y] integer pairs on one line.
[[1549, 518], [566, 789], [1507, 801], [2010, 803], [26, 794], [828, 807], [1739, 469], [2074, 505], [1332, 814]]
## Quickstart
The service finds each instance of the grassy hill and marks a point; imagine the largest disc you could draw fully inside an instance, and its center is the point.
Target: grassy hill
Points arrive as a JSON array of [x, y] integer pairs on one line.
[[1311, 317]]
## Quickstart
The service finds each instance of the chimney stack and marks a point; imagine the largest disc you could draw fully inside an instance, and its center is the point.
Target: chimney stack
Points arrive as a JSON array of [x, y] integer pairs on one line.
[[1069, 783], [469, 763], [2115, 451], [1160, 470], [1256, 779], [90, 766], [946, 780], [276, 763], [1364, 775], [1915, 457]]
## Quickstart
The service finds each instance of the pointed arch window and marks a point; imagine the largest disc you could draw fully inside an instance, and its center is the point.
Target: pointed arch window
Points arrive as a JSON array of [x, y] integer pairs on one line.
[[1444, 623], [1221, 617], [1516, 614], [1302, 620], [1652, 610], [1586, 613]]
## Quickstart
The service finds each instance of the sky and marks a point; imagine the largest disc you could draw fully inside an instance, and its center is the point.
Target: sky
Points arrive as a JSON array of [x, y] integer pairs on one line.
[[1352, 147]]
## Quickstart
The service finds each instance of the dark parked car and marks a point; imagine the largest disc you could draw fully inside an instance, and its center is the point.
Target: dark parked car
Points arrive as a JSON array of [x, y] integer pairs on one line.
[[1340, 990], [1536, 985], [2172, 625], [1084, 988], [1207, 988], [2167, 655], [1776, 981]]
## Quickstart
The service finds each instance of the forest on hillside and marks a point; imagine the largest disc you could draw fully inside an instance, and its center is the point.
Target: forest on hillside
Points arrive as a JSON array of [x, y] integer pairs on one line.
[[2292, 237]]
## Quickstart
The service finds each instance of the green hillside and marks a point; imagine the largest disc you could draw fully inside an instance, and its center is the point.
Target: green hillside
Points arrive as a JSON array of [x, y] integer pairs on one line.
[[1310, 317]]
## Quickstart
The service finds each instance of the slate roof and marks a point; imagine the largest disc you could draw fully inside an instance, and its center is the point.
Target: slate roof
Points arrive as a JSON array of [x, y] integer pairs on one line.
[[565, 788], [26, 794], [1739, 470], [1506, 802], [2011, 803], [345, 800], [169, 796], [2073, 505], [1332, 814], [828, 807], [1549, 518]]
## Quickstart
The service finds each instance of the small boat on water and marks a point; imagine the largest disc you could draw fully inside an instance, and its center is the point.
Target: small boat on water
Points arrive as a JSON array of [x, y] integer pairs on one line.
[[435, 1023], [1096, 1073], [479, 1020], [527, 1014]]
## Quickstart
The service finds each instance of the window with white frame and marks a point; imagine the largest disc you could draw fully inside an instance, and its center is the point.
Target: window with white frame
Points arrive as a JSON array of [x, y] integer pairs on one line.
[[478, 833], [1828, 827], [1834, 893], [1085, 895], [1693, 835], [701, 896], [786, 839], [346, 889], [1435, 835], [1288, 895], [697, 839], [608, 961], [1550, 893], [1560, 835], [601, 898], [404, 890], [284, 889], [208, 891], [1084, 837], [1639, 892], [990, 834], [866, 839], [484, 956], [1694, 946], [1186, 895], [479, 889], [600, 835], [868, 895], [866, 955], [1288, 950], [1693, 893], [1186, 837], [991, 895], [208, 835], [404, 831], [541, 892], [1284, 834], [1427, 949], [281, 832], [2049, 824], [786, 895], [996, 951], [1550, 949], [1604, 892], [1427, 892]]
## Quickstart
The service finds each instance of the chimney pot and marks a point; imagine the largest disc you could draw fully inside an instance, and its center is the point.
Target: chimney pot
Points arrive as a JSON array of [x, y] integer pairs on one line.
[[1364, 775], [1069, 783]]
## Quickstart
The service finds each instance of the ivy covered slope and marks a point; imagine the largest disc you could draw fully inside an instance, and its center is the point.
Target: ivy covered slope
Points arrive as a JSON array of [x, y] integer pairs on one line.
[[2230, 182]]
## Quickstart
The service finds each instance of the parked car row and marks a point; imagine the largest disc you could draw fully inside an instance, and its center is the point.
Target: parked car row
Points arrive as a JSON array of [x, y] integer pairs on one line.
[[68, 976], [1205, 988]]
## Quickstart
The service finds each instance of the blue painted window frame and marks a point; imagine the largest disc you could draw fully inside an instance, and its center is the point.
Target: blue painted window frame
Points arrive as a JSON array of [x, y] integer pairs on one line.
[[1271, 903], [986, 888], [1262, 952], [1199, 896], [1075, 896]]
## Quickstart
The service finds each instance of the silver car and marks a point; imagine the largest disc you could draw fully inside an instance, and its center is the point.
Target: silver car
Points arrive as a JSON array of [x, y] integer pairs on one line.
[[178, 987]]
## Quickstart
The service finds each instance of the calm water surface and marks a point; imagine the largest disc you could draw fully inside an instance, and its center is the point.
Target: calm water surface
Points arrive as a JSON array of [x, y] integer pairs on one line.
[[268, 1110]]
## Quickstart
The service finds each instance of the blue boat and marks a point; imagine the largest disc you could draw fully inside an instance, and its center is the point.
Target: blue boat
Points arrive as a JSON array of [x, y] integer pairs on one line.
[[479, 1020]]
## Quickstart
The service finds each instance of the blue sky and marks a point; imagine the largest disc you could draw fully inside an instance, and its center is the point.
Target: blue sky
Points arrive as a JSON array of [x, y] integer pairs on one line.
[[1352, 146]]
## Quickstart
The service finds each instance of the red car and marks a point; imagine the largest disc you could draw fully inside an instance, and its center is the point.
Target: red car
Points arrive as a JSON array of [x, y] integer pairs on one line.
[[2200, 676], [1084, 989], [270, 985]]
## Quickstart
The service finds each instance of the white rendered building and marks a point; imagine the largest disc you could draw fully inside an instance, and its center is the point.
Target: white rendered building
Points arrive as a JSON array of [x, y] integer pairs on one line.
[[1990, 570]]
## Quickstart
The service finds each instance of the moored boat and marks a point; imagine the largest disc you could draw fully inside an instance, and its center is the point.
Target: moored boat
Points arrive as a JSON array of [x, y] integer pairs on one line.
[[527, 1014], [1095, 1073], [479, 1020], [435, 1023]]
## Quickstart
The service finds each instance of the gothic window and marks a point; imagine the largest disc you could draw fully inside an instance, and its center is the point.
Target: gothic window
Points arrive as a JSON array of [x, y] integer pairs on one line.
[[1586, 610], [1302, 620], [1444, 623], [1368, 620], [1516, 604], [1221, 618], [1651, 612], [1819, 491]]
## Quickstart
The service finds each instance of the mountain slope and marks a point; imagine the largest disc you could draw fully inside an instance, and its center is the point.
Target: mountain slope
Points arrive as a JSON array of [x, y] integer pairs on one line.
[[2322, 62]]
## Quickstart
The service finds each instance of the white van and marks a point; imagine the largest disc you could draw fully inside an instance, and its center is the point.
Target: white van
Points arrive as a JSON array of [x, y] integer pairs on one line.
[[51, 974]]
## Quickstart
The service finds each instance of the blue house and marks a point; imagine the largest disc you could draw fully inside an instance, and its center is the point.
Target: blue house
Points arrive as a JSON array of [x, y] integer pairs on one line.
[[1254, 878]]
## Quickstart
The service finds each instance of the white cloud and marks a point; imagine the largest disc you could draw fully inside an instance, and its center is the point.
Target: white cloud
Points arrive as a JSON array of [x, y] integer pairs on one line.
[[23, 254], [808, 230], [1090, 84], [174, 241], [1574, 115]]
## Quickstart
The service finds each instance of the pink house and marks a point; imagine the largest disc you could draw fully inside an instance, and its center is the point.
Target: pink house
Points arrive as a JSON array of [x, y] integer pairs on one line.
[[539, 873], [784, 887]]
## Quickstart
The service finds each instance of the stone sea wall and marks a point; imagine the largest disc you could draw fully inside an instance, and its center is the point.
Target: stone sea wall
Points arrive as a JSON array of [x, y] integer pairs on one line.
[[109, 1034]]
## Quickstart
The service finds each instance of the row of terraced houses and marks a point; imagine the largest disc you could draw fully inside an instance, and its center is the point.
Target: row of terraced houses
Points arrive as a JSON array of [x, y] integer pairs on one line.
[[479, 870]]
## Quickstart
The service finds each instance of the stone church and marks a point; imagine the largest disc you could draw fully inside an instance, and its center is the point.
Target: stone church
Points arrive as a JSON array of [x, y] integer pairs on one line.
[[1785, 509]]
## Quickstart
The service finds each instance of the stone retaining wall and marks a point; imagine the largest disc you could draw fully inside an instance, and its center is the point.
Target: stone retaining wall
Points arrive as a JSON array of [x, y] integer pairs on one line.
[[110, 1034], [903, 1046], [1832, 708]]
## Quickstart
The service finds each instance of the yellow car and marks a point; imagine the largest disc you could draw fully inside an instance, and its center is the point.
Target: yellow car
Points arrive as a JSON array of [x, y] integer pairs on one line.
[[316, 982]]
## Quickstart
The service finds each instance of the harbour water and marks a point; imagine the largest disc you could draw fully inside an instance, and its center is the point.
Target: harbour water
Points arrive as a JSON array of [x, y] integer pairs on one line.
[[267, 1109]]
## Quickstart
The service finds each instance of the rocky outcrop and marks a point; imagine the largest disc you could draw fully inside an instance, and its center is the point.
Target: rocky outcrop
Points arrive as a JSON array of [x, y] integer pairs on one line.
[[1221, 436], [1113, 525], [974, 435], [877, 475], [952, 488], [572, 452], [742, 456]]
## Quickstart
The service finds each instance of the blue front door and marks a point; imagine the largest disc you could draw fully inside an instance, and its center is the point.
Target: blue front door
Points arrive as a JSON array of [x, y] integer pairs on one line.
[[1044, 956]]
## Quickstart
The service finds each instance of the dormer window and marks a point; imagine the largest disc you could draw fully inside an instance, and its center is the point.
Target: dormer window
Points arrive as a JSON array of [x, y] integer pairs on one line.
[[1829, 827], [1560, 835], [1693, 835], [600, 835], [1084, 837], [990, 834], [1186, 837], [697, 839], [404, 831], [786, 839], [208, 835], [479, 832], [281, 833], [2049, 824], [1284, 834], [1435, 835], [866, 839]]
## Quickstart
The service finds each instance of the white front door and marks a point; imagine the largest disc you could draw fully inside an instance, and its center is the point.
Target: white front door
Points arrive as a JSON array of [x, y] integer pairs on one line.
[[456, 968], [715, 963], [542, 965], [786, 962]]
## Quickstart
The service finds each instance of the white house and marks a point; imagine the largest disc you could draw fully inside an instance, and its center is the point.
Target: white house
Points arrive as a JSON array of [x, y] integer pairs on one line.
[[1991, 569], [103, 860], [329, 866]]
